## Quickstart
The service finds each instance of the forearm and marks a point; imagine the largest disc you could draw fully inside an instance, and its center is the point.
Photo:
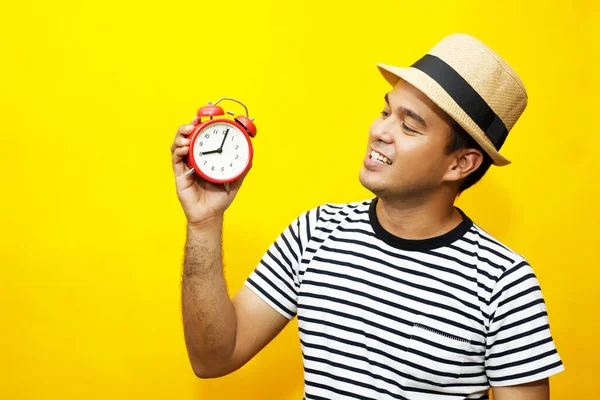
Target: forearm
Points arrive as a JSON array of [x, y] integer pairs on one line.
[[208, 316]]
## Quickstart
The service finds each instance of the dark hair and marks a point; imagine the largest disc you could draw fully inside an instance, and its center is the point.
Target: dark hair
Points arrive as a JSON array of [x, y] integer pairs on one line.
[[460, 139]]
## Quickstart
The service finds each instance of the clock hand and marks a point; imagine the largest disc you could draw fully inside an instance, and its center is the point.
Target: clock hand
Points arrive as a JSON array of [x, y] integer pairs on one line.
[[223, 142], [210, 152], [220, 149]]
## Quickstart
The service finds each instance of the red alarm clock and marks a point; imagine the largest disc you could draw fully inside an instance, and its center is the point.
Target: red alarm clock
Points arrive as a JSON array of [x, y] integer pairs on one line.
[[220, 149]]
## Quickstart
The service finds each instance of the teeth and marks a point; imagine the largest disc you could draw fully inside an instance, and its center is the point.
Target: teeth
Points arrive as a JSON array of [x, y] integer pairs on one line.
[[379, 158]]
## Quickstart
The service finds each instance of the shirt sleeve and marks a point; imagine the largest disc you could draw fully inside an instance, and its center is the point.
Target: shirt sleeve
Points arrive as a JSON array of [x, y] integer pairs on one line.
[[276, 278], [520, 348]]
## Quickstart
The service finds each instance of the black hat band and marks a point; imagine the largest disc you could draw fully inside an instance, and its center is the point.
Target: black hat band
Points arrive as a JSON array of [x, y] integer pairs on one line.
[[465, 96]]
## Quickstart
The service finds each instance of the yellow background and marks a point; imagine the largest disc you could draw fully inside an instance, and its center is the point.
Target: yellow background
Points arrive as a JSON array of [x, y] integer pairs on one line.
[[91, 94]]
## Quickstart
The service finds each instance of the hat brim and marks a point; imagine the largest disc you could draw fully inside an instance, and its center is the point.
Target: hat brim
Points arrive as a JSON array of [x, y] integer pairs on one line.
[[442, 99]]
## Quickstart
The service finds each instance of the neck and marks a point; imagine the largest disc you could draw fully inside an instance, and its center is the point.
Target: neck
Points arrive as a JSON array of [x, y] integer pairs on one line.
[[415, 220]]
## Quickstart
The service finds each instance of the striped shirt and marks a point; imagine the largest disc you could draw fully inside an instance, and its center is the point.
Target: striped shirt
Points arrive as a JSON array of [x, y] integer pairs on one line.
[[381, 317]]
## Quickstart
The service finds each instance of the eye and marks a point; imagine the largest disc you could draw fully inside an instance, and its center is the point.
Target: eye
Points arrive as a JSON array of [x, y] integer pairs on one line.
[[407, 128], [385, 114]]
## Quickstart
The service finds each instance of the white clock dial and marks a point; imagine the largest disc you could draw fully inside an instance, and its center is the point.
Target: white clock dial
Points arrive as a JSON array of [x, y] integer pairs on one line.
[[221, 151]]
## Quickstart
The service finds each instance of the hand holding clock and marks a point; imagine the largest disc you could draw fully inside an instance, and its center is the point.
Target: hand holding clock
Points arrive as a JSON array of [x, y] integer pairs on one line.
[[206, 187], [203, 202]]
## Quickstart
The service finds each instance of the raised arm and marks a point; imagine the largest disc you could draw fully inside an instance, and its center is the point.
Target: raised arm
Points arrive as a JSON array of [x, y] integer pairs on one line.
[[221, 334]]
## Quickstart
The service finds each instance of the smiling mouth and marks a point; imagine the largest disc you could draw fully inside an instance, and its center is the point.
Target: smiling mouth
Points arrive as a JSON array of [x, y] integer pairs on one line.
[[375, 156]]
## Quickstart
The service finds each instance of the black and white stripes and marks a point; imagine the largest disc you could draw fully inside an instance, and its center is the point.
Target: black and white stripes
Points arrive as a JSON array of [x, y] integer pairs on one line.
[[382, 317]]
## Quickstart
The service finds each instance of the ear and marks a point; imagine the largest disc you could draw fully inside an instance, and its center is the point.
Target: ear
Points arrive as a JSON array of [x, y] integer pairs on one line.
[[463, 162]]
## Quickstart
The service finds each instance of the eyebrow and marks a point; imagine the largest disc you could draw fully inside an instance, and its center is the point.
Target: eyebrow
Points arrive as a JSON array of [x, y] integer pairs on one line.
[[403, 110]]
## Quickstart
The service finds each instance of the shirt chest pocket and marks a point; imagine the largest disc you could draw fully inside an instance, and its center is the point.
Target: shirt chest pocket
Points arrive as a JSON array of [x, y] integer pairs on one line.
[[433, 357]]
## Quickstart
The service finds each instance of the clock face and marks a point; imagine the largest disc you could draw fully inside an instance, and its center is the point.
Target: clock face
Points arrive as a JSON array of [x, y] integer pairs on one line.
[[221, 151]]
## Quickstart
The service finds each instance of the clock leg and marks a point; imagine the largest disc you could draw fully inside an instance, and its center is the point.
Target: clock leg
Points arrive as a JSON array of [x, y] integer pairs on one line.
[[190, 171], [227, 187]]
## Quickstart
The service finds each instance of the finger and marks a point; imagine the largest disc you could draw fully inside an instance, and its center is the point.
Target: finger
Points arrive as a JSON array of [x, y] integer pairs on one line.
[[179, 166], [184, 130], [195, 120], [180, 153], [179, 142], [187, 129]]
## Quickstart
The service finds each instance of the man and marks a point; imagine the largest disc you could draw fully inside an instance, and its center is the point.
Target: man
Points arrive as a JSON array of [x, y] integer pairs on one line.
[[401, 296]]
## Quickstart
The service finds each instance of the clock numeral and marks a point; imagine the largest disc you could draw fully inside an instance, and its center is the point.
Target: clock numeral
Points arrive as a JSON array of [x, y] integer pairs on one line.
[[205, 162], [237, 156], [207, 136], [200, 144], [222, 169], [237, 146], [231, 165], [213, 168]]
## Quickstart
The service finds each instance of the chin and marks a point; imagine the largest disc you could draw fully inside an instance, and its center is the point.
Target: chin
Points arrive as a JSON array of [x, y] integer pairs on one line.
[[370, 183]]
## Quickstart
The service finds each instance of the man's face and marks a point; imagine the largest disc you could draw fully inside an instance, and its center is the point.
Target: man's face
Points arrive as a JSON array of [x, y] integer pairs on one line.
[[411, 133]]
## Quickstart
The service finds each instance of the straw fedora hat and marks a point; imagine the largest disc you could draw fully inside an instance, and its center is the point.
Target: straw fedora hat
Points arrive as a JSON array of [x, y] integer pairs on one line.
[[472, 84]]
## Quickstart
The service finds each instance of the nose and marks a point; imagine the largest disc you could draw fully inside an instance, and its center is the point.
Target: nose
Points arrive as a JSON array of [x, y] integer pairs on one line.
[[381, 130]]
